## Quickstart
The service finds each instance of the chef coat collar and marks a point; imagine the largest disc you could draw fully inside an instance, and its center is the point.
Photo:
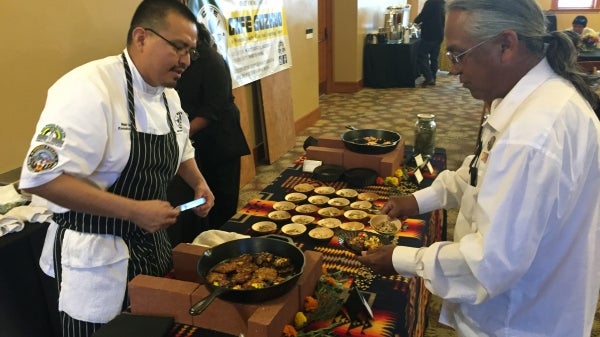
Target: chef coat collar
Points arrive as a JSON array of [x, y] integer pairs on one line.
[[138, 80], [503, 109]]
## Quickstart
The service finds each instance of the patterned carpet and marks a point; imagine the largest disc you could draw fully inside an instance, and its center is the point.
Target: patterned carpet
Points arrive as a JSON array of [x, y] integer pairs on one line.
[[396, 109]]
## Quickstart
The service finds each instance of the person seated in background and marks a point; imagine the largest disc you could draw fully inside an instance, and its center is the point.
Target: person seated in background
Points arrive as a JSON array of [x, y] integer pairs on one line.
[[580, 26]]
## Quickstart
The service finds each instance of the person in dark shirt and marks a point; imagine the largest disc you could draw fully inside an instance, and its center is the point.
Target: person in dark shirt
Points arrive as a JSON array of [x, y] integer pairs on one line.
[[432, 21], [205, 89]]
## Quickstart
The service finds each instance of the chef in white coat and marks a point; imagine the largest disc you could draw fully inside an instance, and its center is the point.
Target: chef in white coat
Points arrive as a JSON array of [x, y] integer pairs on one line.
[[110, 138]]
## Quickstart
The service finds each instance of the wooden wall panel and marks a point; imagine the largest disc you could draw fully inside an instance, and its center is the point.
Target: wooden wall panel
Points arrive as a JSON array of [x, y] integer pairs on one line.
[[278, 114], [248, 165]]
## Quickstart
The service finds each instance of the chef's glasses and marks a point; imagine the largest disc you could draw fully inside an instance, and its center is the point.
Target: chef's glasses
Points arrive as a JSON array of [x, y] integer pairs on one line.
[[181, 51], [456, 59]]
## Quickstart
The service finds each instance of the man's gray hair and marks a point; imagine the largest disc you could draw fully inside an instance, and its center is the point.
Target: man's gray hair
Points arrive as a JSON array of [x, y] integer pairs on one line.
[[488, 18]]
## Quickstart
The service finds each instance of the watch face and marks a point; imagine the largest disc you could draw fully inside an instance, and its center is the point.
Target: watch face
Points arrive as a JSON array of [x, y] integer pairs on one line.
[[215, 21]]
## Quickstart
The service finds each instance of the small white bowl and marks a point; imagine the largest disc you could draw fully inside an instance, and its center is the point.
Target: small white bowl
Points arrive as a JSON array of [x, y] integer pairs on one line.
[[338, 202], [355, 215], [368, 196], [303, 219], [361, 204], [264, 227], [321, 233], [329, 222], [325, 190], [293, 229], [347, 193], [352, 226], [318, 200], [307, 209], [330, 212], [296, 197], [304, 188], [279, 215], [284, 206], [384, 225]]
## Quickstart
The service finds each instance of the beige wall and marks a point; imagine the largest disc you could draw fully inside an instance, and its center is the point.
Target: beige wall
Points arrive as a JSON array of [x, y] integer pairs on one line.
[[302, 15], [42, 41]]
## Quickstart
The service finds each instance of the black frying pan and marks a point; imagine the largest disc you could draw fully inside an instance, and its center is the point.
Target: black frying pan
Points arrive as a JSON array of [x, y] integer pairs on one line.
[[275, 244], [355, 141]]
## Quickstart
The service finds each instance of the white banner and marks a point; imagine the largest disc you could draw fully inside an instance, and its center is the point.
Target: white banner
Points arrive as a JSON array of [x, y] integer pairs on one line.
[[251, 35]]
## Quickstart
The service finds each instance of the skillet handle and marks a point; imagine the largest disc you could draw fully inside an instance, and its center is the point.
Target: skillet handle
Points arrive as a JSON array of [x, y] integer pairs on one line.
[[201, 305], [279, 237], [350, 127]]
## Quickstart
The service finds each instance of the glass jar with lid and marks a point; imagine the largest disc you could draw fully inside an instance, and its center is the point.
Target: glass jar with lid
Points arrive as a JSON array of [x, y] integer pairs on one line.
[[425, 128]]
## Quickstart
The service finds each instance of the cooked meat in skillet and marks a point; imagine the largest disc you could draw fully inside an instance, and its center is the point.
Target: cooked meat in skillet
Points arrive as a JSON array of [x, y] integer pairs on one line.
[[263, 258], [218, 279], [267, 274], [251, 271]]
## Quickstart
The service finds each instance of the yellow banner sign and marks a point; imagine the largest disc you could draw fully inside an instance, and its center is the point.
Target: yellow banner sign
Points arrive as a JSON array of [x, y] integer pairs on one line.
[[251, 35]]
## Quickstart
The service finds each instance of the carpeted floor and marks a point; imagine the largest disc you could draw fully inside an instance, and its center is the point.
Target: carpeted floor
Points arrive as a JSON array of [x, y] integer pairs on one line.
[[457, 118]]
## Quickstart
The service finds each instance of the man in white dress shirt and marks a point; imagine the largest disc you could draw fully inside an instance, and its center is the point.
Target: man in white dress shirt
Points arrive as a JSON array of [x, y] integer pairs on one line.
[[525, 259]]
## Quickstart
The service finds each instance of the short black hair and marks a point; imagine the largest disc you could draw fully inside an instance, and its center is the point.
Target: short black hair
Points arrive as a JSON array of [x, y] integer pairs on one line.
[[152, 13], [580, 20]]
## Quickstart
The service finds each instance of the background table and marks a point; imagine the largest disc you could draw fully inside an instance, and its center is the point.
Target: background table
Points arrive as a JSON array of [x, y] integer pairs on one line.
[[27, 296], [589, 55], [390, 65]]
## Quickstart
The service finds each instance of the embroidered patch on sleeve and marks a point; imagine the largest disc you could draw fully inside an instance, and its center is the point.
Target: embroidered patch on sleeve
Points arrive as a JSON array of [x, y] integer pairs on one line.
[[52, 134], [42, 158], [179, 120]]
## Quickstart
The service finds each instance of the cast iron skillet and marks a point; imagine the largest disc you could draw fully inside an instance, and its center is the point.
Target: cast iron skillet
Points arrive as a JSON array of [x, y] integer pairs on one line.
[[354, 140], [274, 244]]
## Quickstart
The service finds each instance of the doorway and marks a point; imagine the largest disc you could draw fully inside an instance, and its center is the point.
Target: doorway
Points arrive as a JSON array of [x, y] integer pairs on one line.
[[325, 45]]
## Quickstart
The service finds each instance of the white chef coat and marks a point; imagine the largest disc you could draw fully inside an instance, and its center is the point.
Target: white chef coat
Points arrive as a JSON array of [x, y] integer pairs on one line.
[[93, 97], [87, 112], [525, 260]]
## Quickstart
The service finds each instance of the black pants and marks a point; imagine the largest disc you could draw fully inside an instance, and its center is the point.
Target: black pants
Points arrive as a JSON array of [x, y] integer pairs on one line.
[[427, 59], [224, 180]]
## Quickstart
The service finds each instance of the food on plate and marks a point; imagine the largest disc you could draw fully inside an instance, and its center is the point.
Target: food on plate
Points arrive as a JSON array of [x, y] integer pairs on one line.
[[318, 199], [325, 190], [295, 197], [347, 193], [279, 215], [329, 212], [368, 196], [370, 140], [352, 226], [384, 225], [363, 242], [303, 219], [329, 222], [321, 233], [304, 188], [355, 214], [362, 204], [338, 202], [293, 229], [264, 227], [306, 209], [251, 271], [284, 206]]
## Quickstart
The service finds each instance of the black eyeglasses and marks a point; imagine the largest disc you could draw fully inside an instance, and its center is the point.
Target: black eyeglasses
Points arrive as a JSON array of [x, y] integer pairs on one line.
[[181, 51], [456, 59]]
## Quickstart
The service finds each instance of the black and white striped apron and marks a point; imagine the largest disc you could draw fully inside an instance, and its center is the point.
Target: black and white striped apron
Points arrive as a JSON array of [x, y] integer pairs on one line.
[[152, 163]]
